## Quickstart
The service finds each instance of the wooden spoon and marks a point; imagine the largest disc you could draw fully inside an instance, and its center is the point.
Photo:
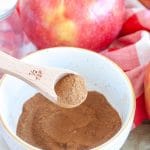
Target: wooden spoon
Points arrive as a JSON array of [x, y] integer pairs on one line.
[[42, 78]]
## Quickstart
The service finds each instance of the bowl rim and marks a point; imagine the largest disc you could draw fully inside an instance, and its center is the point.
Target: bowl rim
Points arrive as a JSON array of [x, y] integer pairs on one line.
[[130, 114]]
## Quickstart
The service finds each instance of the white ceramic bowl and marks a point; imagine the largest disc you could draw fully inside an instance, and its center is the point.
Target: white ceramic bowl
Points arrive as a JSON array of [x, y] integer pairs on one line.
[[101, 75]]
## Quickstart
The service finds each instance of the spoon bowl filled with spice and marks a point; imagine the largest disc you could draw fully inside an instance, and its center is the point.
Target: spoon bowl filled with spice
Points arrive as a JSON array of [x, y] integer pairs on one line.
[[103, 121]]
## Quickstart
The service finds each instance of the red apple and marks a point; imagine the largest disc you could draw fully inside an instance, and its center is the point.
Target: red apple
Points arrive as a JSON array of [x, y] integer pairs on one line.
[[91, 24], [147, 89]]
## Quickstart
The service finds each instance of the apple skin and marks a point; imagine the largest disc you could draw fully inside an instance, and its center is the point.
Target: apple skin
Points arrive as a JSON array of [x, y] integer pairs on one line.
[[147, 89], [91, 24]]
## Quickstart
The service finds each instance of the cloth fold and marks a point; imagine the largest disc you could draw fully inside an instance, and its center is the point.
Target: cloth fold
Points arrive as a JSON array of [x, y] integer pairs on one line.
[[131, 51]]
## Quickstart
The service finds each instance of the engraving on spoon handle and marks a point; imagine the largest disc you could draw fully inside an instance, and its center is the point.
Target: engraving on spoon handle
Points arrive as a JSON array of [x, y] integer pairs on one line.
[[13, 66]]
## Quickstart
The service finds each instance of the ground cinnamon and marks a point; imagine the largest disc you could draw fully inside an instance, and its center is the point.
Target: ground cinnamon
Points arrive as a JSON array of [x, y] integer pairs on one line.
[[71, 90], [47, 126]]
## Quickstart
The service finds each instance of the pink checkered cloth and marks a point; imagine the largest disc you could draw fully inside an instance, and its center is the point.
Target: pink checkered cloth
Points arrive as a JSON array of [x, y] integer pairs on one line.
[[131, 50]]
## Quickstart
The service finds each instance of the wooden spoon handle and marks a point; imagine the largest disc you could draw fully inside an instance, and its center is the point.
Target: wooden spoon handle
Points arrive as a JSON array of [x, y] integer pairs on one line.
[[11, 65], [39, 77]]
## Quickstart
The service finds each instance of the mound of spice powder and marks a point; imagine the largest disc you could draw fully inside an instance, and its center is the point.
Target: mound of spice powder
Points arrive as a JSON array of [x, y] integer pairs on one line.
[[50, 127]]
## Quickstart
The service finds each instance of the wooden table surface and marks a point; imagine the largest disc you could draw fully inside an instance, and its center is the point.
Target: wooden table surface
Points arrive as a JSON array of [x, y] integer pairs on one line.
[[139, 139]]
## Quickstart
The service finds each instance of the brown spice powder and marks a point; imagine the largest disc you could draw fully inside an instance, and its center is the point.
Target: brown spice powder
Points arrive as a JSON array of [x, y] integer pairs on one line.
[[47, 126], [71, 90]]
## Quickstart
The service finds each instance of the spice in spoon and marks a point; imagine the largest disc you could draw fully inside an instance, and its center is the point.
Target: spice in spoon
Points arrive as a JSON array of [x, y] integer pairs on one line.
[[71, 90]]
